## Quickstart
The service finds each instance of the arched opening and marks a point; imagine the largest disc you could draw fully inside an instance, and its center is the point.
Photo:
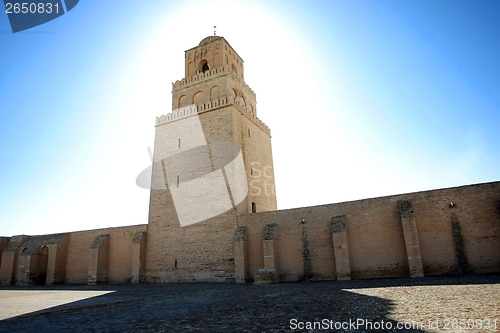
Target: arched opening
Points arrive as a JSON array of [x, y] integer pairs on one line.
[[182, 101], [198, 98], [43, 261], [190, 69], [233, 67], [24, 275], [240, 100], [204, 66], [18, 272], [217, 60], [233, 95], [214, 93]]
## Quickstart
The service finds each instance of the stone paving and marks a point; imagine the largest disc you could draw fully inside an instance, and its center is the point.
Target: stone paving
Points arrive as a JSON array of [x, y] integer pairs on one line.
[[430, 304]]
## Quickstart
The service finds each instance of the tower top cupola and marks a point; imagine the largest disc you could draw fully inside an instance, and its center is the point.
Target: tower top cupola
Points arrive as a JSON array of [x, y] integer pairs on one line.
[[212, 53], [208, 39]]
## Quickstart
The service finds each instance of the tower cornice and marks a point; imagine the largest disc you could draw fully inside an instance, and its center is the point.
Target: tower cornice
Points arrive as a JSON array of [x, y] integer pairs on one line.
[[192, 110], [208, 75]]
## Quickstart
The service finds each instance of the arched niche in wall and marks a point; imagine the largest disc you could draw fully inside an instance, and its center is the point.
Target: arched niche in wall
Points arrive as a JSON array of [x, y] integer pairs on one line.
[[199, 98], [214, 93], [241, 101], [217, 60], [233, 94], [182, 101], [43, 262]]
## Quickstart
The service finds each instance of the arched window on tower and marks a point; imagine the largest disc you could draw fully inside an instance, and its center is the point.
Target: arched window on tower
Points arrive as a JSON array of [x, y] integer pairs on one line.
[[204, 66], [217, 60], [182, 101]]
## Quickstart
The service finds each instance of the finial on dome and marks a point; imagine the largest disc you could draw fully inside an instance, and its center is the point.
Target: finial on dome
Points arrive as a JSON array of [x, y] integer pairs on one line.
[[215, 27]]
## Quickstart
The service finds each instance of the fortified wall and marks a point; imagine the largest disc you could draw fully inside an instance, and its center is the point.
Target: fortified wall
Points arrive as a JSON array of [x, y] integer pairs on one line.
[[213, 217], [114, 255], [440, 232]]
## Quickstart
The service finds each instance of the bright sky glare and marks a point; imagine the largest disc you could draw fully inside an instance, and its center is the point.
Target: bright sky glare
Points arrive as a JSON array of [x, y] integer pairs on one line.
[[363, 98]]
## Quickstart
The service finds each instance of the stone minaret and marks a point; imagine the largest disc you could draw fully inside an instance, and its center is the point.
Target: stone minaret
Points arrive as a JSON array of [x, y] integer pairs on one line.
[[212, 161]]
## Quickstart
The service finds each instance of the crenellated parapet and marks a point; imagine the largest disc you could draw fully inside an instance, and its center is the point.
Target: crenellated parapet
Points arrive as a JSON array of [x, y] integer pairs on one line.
[[201, 77], [210, 74], [192, 110], [177, 114]]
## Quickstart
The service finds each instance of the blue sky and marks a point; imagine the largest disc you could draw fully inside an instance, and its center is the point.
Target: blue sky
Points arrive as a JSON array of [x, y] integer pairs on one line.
[[363, 98]]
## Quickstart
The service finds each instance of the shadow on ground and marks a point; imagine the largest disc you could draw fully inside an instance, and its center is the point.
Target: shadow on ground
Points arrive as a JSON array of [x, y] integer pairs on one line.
[[226, 307]]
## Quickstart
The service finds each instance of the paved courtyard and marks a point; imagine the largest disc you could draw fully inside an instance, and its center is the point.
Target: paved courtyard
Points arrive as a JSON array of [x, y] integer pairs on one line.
[[431, 304]]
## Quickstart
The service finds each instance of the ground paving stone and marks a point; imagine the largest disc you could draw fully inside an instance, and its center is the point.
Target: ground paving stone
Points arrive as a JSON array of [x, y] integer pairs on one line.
[[382, 303]]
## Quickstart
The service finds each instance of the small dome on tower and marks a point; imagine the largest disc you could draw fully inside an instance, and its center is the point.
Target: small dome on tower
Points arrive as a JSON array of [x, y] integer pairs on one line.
[[208, 39]]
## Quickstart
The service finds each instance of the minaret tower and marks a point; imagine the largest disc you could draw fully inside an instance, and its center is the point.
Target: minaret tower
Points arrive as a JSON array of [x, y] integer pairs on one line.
[[212, 161]]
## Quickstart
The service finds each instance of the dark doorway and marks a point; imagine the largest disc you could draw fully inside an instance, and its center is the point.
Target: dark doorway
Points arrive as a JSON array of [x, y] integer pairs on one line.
[[41, 277], [204, 66]]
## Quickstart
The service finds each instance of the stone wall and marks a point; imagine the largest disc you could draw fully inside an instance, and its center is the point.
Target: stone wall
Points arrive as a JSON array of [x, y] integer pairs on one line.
[[9, 270], [92, 256], [447, 231], [4, 241], [101, 255]]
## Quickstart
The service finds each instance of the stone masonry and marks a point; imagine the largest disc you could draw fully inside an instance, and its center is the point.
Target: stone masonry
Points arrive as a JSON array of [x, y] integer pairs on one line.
[[213, 215]]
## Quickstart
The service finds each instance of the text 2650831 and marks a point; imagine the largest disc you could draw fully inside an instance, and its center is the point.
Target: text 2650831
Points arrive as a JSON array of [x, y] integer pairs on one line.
[[31, 8]]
